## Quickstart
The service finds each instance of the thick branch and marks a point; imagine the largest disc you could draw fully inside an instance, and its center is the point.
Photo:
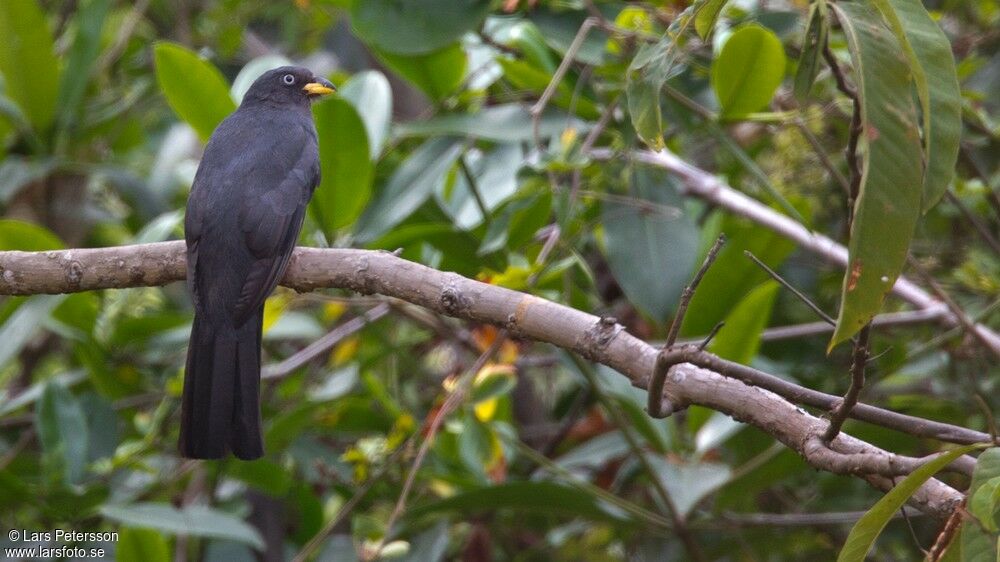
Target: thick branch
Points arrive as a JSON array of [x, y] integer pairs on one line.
[[598, 339]]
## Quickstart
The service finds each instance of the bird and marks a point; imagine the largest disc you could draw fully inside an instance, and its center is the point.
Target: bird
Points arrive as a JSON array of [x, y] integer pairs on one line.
[[244, 215]]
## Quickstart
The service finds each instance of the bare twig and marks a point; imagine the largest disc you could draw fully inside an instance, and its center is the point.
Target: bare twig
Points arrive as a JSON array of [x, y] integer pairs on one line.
[[977, 330], [801, 296], [655, 405], [539, 107], [318, 347], [858, 363], [977, 224]]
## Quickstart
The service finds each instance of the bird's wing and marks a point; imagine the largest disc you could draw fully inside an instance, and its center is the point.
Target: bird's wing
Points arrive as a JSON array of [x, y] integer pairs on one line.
[[270, 220]]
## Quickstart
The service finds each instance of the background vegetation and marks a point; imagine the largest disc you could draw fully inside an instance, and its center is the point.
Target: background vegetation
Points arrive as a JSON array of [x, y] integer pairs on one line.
[[437, 145]]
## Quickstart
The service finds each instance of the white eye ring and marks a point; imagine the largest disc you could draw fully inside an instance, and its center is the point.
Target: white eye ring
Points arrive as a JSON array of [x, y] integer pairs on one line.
[[288, 79]]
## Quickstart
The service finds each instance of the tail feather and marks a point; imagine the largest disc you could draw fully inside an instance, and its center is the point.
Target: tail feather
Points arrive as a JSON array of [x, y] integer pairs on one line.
[[221, 405]]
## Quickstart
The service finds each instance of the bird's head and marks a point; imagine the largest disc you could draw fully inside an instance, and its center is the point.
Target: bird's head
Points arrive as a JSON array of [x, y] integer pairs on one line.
[[289, 85]]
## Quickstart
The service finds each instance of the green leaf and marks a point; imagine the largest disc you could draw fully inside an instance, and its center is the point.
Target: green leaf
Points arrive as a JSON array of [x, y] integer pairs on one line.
[[438, 74], [706, 14], [88, 23], [495, 178], [415, 27], [531, 497], [889, 203], [689, 483], [346, 179], [193, 520], [812, 46], [62, 430], [942, 110], [194, 87], [142, 544], [748, 70], [370, 94], [649, 70], [976, 544], [867, 529], [523, 76], [27, 237], [28, 62], [262, 474], [739, 339], [26, 321], [410, 185], [506, 123], [984, 503], [651, 249]]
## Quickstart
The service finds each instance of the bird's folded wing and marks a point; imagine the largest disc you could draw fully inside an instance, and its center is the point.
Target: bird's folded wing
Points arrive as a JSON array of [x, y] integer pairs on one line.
[[271, 222]]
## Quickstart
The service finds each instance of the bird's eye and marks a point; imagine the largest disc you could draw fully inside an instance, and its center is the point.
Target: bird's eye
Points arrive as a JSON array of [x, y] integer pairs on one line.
[[288, 79]]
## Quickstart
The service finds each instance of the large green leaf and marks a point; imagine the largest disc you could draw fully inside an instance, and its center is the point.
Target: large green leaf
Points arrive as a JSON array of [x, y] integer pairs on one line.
[[346, 182], [526, 77], [410, 185], [689, 483], [942, 104], [651, 248], [889, 202], [371, 96], [748, 70], [88, 23], [415, 27], [27, 237], [867, 529], [977, 544], [62, 429], [194, 88], [500, 123], [27, 61], [193, 520], [438, 73], [251, 71], [26, 321]]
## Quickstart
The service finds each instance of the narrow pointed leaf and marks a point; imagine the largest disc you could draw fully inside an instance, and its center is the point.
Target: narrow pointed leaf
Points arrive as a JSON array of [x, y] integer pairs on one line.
[[867, 529], [346, 175], [888, 204]]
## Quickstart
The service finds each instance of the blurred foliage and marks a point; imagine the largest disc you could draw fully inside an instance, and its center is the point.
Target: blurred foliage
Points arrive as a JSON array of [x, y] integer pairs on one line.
[[431, 147]]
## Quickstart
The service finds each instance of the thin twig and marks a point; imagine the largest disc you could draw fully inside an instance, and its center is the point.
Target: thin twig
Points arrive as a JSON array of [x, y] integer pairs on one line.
[[824, 158], [858, 363], [655, 405], [851, 152], [711, 335], [574, 47], [318, 347], [977, 224], [967, 323], [801, 296], [947, 534], [470, 180]]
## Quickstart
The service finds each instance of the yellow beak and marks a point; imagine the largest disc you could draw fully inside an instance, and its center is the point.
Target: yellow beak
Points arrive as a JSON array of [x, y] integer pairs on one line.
[[319, 89]]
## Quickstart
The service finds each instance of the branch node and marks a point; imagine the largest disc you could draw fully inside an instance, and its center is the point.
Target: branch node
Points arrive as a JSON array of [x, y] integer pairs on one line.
[[453, 301], [595, 340]]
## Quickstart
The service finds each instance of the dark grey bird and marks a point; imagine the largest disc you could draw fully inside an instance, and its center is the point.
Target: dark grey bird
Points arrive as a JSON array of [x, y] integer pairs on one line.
[[244, 216]]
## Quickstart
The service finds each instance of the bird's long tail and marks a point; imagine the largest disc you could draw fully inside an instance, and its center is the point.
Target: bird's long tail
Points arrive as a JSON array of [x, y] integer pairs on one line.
[[221, 407]]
